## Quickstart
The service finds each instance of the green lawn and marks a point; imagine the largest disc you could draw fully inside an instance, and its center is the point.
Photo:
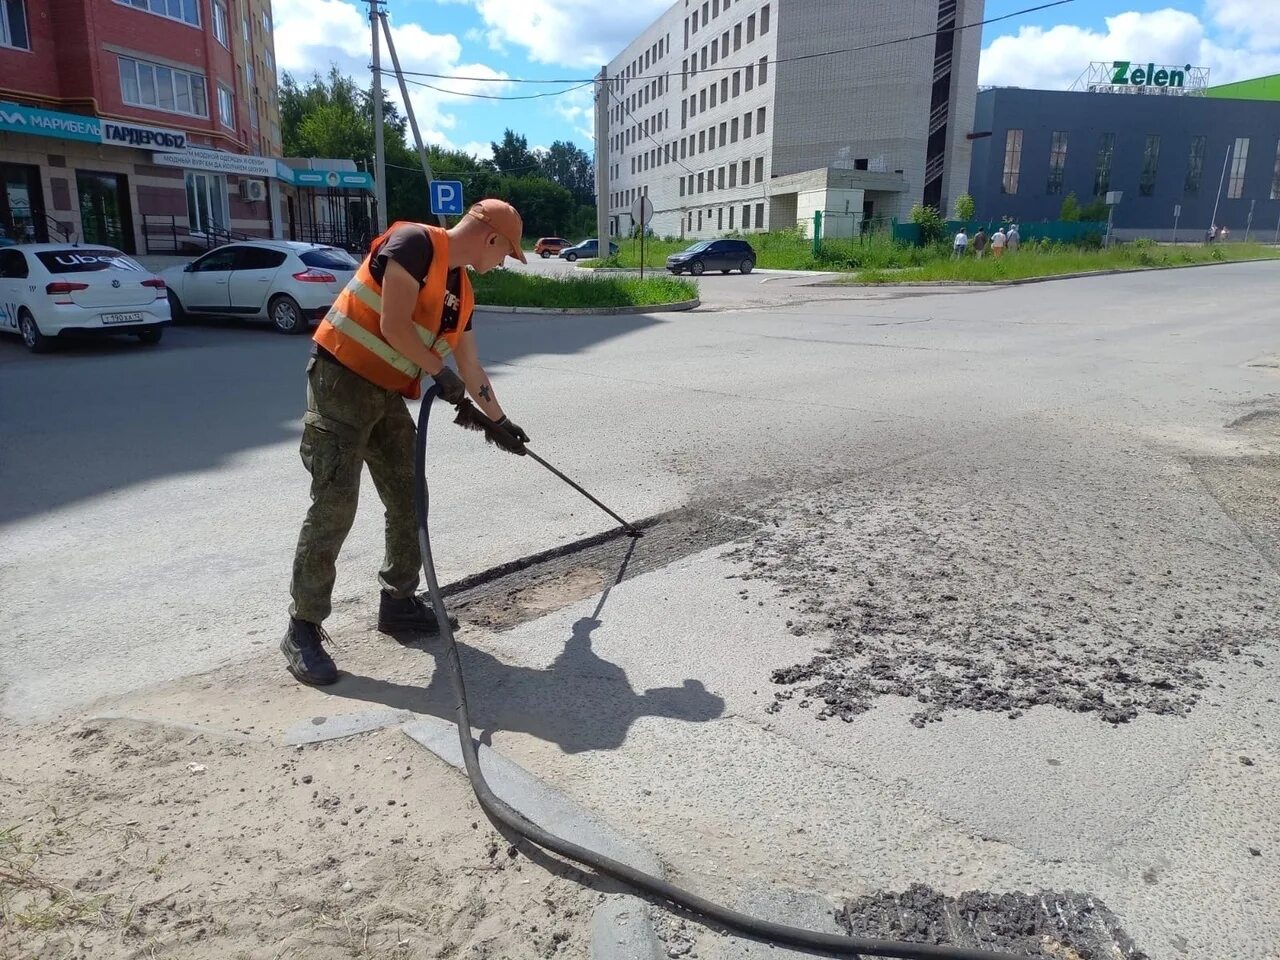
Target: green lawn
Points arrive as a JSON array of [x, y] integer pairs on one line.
[[1031, 261], [508, 288]]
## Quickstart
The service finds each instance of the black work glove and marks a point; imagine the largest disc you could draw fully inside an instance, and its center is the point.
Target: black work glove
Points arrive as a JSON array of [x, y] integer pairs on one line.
[[495, 433], [452, 389], [514, 429]]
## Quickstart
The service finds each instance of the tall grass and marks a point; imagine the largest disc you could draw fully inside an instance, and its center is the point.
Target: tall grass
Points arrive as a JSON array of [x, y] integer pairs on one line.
[[509, 288], [1046, 261]]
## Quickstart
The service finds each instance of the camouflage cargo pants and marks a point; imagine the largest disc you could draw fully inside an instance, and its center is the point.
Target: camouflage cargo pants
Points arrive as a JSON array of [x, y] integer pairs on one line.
[[351, 422]]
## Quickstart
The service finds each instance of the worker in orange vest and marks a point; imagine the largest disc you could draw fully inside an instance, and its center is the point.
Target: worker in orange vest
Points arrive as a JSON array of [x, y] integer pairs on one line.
[[405, 312]]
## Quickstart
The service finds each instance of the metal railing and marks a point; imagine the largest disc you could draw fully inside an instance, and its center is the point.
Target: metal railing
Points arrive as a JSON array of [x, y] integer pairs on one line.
[[162, 234]]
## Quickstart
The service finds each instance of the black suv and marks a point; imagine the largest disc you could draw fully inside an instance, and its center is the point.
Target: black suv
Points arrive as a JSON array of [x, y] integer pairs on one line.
[[722, 255]]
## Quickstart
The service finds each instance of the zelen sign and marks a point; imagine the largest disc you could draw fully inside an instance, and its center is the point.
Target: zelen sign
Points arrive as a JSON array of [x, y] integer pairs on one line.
[[1124, 73]]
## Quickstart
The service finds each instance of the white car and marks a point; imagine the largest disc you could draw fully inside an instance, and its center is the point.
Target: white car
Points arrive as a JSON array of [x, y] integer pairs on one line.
[[289, 283], [51, 289]]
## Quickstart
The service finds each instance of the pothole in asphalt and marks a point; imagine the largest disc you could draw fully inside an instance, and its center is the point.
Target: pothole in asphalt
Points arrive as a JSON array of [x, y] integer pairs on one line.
[[1069, 926], [501, 598]]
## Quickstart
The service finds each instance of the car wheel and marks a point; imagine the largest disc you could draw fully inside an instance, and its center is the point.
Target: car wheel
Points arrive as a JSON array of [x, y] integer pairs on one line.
[[286, 315], [36, 341], [571, 257], [545, 254], [696, 268], [746, 266], [150, 336], [176, 311]]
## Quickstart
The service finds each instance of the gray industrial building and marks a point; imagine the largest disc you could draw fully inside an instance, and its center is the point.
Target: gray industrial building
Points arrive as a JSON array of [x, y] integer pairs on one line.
[[753, 114], [1166, 155]]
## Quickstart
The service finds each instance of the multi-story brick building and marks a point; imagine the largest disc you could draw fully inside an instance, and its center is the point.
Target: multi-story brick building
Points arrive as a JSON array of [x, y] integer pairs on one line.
[[754, 114], [120, 115]]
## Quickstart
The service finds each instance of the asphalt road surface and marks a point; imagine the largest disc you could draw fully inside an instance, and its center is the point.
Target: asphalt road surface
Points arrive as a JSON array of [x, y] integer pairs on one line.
[[994, 492]]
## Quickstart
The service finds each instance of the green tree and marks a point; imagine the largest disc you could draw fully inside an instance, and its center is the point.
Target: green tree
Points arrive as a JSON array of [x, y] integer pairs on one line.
[[1095, 209], [512, 156], [965, 207], [930, 222], [568, 165], [1070, 208]]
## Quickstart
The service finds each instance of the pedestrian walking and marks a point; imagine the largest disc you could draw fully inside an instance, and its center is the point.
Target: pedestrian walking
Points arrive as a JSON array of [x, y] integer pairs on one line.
[[405, 312], [1014, 238], [960, 245], [998, 240], [980, 243]]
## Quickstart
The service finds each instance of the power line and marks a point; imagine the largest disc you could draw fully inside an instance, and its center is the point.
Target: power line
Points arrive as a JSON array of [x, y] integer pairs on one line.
[[641, 127], [807, 56], [490, 96]]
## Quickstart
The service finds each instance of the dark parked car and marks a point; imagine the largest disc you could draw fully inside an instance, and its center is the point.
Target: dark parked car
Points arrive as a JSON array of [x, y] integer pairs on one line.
[[586, 250], [722, 255]]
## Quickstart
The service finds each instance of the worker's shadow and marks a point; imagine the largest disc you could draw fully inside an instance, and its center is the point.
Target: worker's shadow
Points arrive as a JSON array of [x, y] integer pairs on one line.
[[580, 702]]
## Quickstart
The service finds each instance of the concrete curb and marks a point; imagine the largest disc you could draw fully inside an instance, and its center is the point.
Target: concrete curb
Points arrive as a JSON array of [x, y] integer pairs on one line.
[[1060, 276], [679, 305], [622, 927]]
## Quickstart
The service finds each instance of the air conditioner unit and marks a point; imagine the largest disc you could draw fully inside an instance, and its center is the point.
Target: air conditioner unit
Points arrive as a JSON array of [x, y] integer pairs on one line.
[[253, 190]]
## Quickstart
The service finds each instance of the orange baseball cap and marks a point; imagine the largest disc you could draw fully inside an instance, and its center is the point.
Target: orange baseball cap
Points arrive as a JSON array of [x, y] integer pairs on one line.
[[503, 219]]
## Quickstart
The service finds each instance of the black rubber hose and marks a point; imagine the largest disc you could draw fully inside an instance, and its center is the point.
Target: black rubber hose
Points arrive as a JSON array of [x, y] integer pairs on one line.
[[498, 809]]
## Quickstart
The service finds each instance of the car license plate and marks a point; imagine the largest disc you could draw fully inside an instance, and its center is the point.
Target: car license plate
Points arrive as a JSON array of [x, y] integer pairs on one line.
[[122, 318]]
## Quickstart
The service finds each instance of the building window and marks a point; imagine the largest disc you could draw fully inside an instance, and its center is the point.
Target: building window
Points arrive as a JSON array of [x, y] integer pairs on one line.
[[737, 37], [702, 100], [724, 44], [714, 90], [220, 25], [13, 24], [1057, 161], [764, 19], [266, 22], [1102, 173], [746, 172], [1195, 166], [271, 66], [1150, 160], [746, 216], [720, 218], [253, 113], [759, 216], [764, 69], [162, 88], [1012, 161], [724, 129], [751, 28], [226, 107], [720, 179], [1239, 161], [724, 90], [250, 76], [733, 175], [244, 22], [751, 76], [702, 141], [702, 57], [1275, 176], [715, 53], [188, 11], [759, 169], [733, 130], [737, 82], [701, 182], [760, 120], [746, 125], [731, 212], [682, 186]]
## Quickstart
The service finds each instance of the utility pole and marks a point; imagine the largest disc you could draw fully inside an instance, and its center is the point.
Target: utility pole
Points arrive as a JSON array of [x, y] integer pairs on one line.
[[602, 163], [408, 108], [379, 148], [1221, 180]]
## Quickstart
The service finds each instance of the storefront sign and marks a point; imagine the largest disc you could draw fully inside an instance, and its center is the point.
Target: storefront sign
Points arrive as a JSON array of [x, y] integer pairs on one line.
[[131, 135], [217, 162], [47, 123], [335, 179], [1126, 76]]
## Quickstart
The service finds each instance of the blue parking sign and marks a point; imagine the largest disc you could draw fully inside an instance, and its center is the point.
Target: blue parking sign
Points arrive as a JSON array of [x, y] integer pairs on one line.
[[446, 197]]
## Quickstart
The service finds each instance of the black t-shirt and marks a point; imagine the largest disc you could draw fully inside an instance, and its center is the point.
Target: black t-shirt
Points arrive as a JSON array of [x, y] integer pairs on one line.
[[410, 247]]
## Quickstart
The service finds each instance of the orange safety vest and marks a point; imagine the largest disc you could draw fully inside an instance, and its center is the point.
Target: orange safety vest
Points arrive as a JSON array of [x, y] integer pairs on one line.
[[351, 331]]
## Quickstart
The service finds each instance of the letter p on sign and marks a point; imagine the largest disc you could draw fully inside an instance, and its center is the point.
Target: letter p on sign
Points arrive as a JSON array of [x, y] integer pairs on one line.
[[446, 197]]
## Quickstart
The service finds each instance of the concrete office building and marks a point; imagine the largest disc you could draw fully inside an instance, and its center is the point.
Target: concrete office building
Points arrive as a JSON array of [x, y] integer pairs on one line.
[[722, 114], [1212, 157]]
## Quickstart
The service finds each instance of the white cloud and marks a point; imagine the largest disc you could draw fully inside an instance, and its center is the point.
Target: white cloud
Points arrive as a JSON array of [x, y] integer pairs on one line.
[[1054, 58], [1256, 23], [312, 34], [579, 108], [481, 151], [576, 33]]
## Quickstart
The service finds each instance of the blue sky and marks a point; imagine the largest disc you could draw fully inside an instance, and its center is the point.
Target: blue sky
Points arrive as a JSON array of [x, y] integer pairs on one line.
[[505, 39]]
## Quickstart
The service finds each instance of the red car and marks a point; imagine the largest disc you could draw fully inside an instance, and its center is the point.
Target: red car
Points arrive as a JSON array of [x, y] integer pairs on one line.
[[550, 246]]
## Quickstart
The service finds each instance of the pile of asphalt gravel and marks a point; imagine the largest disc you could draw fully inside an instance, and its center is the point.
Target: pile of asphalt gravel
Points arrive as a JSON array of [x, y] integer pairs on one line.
[[1040, 924], [1090, 587]]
